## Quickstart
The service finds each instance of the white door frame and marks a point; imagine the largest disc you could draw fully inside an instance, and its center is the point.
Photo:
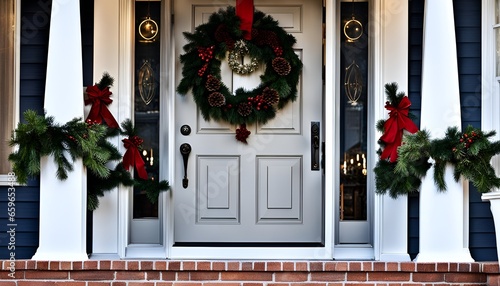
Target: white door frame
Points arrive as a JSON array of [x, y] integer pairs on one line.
[[388, 26]]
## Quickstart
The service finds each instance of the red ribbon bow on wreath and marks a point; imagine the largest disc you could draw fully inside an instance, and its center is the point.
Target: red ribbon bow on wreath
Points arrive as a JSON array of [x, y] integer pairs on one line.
[[393, 128], [99, 111], [133, 158]]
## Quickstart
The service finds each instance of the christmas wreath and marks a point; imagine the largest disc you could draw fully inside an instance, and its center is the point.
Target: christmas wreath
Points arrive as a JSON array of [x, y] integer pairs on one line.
[[221, 38]]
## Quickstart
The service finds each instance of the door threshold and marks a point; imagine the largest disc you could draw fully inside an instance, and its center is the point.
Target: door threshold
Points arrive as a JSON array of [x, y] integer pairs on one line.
[[249, 244], [256, 252]]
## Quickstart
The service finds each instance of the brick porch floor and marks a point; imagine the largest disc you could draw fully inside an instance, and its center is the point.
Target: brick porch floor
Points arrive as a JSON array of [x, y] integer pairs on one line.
[[245, 273]]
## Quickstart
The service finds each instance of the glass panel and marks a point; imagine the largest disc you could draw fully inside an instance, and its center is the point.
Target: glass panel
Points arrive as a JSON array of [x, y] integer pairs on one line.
[[497, 50], [497, 12], [353, 111], [147, 99], [7, 79]]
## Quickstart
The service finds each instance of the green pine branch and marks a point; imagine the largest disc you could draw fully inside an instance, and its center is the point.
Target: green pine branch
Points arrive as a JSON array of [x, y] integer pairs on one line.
[[469, 152], [40, 136]]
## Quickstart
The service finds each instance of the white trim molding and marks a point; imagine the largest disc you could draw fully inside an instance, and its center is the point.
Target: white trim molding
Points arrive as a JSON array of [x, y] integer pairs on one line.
[[490, 90], [391, 65], [5, 179]]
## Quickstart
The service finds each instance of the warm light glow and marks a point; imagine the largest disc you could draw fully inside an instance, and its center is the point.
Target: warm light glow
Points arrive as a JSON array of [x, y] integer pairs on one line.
[[148, 29]]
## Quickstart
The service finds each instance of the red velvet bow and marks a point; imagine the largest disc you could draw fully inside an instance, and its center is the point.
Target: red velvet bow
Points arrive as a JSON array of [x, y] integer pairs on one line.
[[133, 158], [393, 127], [99, 111], [244, 10]]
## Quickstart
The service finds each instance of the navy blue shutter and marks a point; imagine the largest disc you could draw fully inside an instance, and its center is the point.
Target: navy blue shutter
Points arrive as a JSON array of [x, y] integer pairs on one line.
[[415, 26]]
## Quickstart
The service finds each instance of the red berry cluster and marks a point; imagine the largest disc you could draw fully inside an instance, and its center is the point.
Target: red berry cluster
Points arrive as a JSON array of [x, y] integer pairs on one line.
[[91, 122], [242, 133], [205, 54], [258, 102], [278, 51], [227, 107], [137, 140], [466, 140]]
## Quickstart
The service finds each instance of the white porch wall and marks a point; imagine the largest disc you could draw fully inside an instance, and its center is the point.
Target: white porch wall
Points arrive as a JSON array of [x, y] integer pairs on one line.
[[391, 66], [111, 54], [63, 204]]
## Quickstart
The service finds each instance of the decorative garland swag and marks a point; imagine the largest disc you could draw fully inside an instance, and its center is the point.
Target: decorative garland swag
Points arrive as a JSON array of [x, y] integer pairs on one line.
[[405, 158], [40, 136], [221, 36]]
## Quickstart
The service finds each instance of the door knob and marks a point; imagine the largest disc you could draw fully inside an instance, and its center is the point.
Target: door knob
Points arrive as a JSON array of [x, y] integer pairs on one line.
[[185, 151]]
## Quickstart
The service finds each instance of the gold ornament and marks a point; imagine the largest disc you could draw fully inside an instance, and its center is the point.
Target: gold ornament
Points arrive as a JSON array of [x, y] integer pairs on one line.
[[236, 56]]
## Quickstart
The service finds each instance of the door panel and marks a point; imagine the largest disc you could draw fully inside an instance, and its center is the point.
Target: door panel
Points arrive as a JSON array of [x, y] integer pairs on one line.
[[218, 190], [279, 190], [260, 192]]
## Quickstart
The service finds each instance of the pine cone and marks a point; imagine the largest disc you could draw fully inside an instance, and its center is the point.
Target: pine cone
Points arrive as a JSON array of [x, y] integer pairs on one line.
[[270, 96], [244, 109], [255, 33], [281, 66], [216, 99], [212, 84]]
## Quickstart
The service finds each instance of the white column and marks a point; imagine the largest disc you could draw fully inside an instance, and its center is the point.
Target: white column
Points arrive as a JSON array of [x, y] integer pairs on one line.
[[63, 204], [393, 37], [443, 231]]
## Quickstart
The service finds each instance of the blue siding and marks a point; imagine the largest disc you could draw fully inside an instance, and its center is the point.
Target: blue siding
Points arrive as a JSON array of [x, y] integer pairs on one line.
[[482, 242], [35, 24], [415, 26], [468, 34]]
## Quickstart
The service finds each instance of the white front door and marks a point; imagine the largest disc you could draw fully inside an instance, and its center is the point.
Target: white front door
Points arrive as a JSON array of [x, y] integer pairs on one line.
[[264, 192]]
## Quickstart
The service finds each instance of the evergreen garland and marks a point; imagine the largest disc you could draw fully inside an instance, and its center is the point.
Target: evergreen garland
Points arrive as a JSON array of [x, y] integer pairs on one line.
[[40, 136], [469, 152], [201, 72], [404, 175]]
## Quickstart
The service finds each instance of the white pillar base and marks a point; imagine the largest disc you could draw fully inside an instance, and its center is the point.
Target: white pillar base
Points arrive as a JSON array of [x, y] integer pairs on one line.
[[462, 255], [50, 255], [442, 230], [63, 213], [494, 198], [394, 233]]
